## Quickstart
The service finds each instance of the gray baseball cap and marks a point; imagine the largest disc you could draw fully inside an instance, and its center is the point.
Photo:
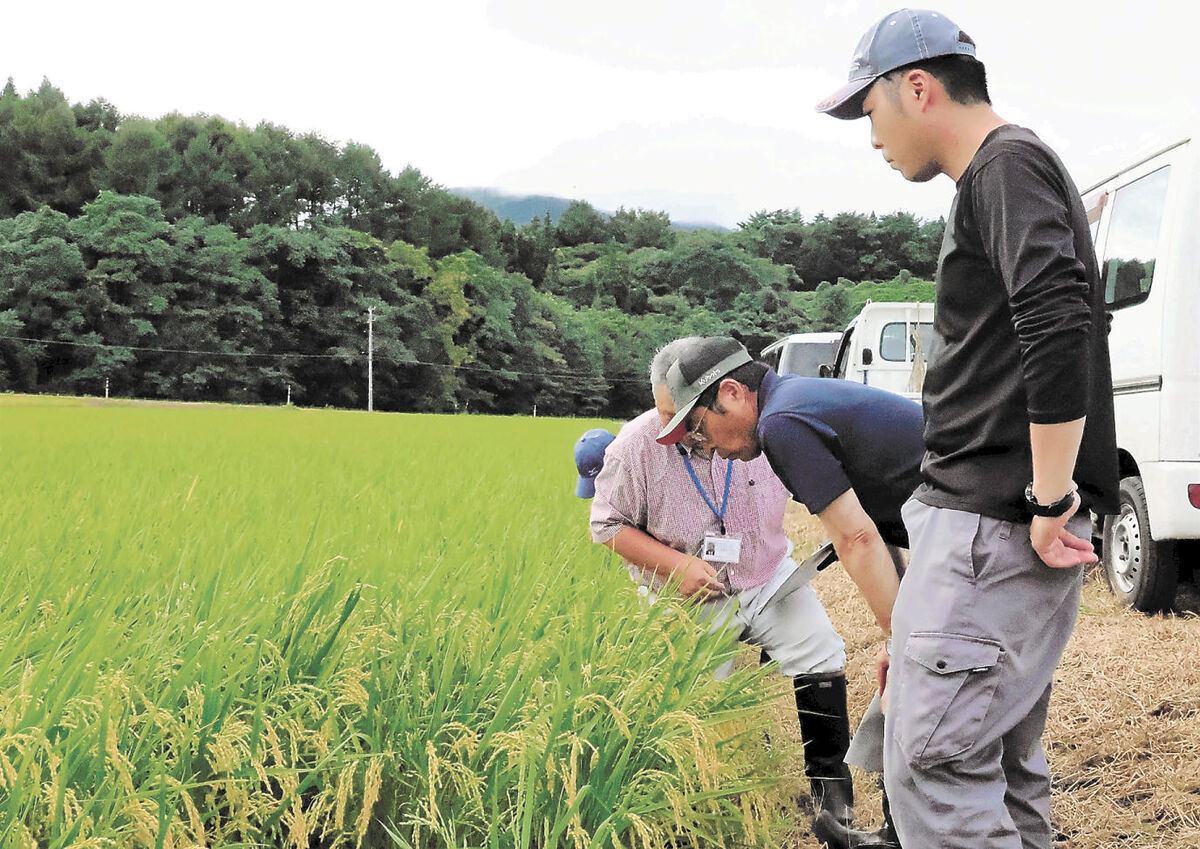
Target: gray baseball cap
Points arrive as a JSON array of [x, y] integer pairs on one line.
[[698, 367], [901, 38]]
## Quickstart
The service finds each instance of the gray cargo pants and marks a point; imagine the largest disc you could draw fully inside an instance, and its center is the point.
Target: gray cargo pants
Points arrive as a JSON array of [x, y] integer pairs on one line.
[[978, 629]]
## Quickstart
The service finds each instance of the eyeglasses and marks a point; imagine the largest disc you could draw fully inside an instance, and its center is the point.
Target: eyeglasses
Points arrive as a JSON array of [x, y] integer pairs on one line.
[[696, 434]]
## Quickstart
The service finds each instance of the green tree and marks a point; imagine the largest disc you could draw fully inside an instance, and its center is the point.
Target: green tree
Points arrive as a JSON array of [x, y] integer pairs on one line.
[[322, 331], [580, 223], [830, 308], [640, 228], [314, 170], [363, 188], [571, 348], [446, 294], [210, 173], [222, 305], [126, 246], [45, 295], [535, 243], [45, 157], [136, 159], [711, 269], [271, 190], [779, 236], [423, 375]]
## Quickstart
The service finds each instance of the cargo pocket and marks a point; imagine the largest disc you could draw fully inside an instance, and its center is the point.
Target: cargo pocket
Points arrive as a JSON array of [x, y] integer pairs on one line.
[[949, 681]]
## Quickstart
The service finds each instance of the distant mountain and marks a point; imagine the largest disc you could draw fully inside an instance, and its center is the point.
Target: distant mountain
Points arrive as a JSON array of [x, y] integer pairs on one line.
[[523, 208], [700, 225], [520, 208]]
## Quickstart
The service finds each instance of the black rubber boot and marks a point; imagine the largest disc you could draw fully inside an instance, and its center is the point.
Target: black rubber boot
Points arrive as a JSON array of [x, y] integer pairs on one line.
[[837, 835], [825, 727], [888, 832]]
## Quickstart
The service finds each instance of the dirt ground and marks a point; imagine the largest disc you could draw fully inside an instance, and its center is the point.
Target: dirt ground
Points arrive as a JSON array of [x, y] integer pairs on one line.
[[1123, 736]]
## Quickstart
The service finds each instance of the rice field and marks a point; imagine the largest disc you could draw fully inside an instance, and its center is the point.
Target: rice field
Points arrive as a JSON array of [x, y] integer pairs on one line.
[[279, 627], [228, 626]]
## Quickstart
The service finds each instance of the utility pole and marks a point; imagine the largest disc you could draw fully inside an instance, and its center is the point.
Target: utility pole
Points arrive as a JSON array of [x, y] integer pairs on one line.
[[370, 359]]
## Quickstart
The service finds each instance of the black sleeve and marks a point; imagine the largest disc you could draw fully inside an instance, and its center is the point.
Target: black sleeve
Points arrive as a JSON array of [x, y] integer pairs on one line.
[[1024, 222]]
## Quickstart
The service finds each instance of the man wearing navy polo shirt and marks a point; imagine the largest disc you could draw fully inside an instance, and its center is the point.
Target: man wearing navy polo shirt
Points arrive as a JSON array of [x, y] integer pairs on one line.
[[849, 453]]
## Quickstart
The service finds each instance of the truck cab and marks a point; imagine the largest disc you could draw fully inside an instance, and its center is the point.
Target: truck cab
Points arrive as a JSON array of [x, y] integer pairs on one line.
[[885, 346]]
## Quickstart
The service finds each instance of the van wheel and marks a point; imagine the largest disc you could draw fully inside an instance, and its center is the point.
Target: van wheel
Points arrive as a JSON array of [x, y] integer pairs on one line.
[[1142, 573]]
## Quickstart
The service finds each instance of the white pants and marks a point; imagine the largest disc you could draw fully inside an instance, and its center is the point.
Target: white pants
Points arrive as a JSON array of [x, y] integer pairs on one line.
[[791, 626]]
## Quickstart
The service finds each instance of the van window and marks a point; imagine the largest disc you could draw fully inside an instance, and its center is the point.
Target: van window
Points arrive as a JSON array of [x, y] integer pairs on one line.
[[897, 344], [805, 358], [1133, 239]]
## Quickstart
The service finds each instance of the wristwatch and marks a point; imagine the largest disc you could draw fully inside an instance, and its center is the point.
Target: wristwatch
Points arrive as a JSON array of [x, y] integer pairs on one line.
[[1048, 510]]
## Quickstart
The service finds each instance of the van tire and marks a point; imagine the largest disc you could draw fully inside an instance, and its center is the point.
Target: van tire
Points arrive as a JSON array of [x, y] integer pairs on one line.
[[1142, 572]]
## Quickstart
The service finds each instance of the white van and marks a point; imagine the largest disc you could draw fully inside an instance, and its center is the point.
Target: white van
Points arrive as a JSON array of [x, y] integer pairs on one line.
[[802, 353], [885, 346], [1146, 225]]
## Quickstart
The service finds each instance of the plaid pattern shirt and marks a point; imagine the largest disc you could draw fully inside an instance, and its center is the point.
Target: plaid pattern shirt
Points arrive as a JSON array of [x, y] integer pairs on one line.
[[646, 486]]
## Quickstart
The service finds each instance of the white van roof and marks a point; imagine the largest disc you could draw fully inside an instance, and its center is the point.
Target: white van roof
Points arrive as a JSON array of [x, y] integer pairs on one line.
[[799, 338], [1138, 162]]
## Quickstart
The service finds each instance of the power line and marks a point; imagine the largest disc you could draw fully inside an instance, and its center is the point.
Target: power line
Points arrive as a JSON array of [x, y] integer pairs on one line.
[[392, 360], [167, 350]]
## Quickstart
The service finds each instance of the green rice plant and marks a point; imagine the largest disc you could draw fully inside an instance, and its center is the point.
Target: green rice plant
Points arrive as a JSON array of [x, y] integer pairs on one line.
[[251, 626]]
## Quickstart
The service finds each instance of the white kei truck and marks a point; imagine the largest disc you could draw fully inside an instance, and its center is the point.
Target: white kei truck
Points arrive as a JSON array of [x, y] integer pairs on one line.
[[885, 346], [1146, 226]]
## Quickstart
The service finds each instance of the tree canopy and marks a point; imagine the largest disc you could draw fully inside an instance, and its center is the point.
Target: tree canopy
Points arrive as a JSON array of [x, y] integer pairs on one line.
[[194, 258]]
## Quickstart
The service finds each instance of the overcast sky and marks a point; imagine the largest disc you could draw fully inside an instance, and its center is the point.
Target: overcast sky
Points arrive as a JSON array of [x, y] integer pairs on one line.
[[701, 108]]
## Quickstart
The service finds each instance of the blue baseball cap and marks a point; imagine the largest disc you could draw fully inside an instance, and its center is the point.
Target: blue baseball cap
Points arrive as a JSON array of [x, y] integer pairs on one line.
[[589, 459], [901, 38]]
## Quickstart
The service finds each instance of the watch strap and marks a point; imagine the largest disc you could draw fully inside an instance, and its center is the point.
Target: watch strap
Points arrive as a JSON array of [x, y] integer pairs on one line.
[[1052, 510]]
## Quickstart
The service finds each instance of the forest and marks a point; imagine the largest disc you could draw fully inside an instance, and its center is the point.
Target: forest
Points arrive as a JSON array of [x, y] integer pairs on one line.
[[197, 259]]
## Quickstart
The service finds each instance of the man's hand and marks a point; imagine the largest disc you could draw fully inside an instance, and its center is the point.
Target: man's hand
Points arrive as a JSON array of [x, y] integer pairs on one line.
[[1057, 546], [883, 662], [699, 579]]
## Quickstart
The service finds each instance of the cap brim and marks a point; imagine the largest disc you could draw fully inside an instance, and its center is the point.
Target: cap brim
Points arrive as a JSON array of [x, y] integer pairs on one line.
[[676, 428], [585, 487], [846, 103]]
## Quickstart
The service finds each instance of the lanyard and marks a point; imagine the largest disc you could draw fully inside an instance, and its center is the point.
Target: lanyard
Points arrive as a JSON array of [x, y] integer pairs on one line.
[[720, 514]]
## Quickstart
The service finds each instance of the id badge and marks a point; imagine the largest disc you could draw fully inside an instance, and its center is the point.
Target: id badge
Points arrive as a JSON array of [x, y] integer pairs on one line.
[[718, 548]]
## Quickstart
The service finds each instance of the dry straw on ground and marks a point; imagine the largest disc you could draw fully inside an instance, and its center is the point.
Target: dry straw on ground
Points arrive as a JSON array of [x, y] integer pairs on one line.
[[1123, 737]]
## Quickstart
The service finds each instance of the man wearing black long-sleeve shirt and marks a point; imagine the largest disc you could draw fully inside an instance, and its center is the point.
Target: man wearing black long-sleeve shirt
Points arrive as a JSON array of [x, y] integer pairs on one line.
[[1019, 445]]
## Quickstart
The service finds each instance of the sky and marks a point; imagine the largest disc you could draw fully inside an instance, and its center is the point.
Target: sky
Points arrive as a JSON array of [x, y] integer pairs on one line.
[[701, 108]]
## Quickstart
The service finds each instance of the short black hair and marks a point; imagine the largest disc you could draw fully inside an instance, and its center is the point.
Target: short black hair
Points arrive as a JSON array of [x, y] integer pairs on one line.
[[964, 77], [750, 374]]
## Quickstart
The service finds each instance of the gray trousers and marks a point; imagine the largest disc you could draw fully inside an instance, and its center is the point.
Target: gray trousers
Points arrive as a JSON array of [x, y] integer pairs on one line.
[[978, 629]]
